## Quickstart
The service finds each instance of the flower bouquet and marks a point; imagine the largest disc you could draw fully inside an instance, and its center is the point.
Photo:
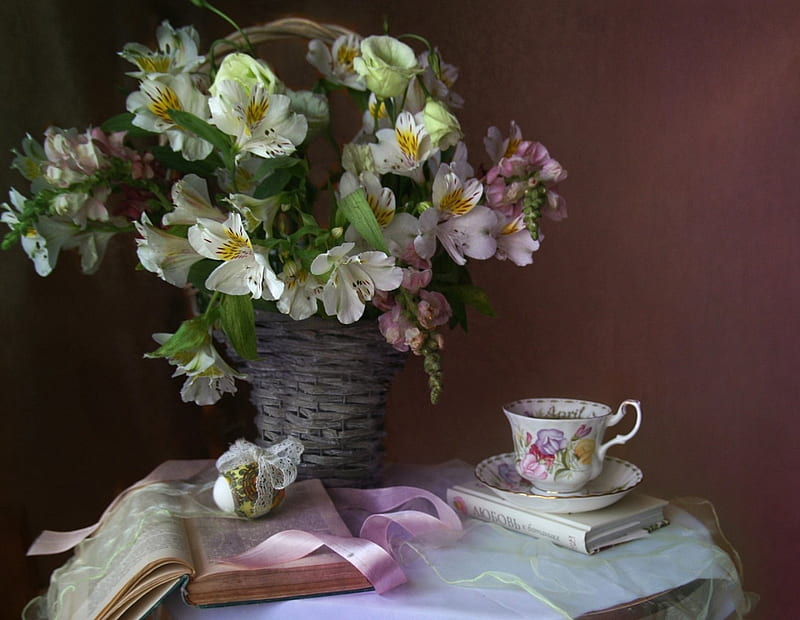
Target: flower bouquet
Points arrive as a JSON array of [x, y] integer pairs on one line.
[[209, 170]]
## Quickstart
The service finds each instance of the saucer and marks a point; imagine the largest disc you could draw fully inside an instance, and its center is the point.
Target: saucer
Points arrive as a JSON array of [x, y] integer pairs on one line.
[[614, 483]]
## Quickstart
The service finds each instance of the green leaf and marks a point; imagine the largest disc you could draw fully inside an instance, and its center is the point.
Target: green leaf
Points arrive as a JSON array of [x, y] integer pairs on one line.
[[219, 139], [238, 323], [276, 163], [175, 161], [191, 335], [273, 184], [470, 295], [447, 272], [356, 209], [124, 122], [361, 98], [308, 219]]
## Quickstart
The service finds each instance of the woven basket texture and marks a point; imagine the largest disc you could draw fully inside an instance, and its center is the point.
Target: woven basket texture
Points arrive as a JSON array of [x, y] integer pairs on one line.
[[326, 384]]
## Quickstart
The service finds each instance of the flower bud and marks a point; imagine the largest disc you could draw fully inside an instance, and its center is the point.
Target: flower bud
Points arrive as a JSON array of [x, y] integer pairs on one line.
[[442, 126], [387, 65], [248, 72]]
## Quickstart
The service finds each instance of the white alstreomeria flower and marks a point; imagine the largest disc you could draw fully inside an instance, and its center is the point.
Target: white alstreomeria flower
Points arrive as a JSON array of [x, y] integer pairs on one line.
[[404, 148], [514, 240], [152, 104], [191, 200], [177, 52], [262, 123], [44, 242], [245, 269], [168, 256], [354, 279], [399, 229], [381, 199], [299, 298], [208, 376], [463, 227], [33, 243], [336, 64]]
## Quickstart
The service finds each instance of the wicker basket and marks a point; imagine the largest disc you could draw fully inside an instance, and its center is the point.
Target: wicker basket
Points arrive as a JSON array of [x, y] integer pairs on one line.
[[326, 384]]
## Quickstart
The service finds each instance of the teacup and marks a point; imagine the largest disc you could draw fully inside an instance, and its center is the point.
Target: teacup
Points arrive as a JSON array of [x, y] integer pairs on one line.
[[557, 441]]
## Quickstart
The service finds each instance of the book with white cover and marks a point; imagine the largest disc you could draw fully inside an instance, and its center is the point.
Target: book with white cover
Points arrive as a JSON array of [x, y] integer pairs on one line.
[[634, 516]]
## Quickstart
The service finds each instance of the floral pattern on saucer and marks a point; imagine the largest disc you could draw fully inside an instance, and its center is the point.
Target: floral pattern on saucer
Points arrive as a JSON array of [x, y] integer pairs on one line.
[[618, 478]]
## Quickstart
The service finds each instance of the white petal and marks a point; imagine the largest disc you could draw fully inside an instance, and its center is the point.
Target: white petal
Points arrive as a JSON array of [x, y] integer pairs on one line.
[[237, 277], [190, 196], [381, 270]]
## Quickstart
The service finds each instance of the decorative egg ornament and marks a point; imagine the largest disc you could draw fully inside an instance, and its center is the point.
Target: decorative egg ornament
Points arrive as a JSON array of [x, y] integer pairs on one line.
[[253, 479]]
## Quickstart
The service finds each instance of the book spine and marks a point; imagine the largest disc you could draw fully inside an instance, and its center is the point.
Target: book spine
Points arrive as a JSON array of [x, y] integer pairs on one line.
[[517, 520]]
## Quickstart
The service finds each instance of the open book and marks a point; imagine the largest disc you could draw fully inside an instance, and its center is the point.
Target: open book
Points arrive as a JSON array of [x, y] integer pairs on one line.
[[634, 516], [165, 535]]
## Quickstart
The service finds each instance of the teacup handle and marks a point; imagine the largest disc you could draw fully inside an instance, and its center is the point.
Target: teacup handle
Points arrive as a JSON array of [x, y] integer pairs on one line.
[[614, 419]]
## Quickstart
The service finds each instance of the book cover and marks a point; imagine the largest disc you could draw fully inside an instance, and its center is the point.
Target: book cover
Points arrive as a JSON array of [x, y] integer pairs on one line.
[[634, 516]]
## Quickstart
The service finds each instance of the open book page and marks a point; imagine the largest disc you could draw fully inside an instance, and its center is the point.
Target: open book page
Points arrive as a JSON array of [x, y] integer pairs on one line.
[[139, 546], [306, 507]]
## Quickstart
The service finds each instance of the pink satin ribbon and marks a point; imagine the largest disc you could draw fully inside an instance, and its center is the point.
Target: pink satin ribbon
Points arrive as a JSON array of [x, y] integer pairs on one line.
[[381, 505], [370, 552], [372, 561]]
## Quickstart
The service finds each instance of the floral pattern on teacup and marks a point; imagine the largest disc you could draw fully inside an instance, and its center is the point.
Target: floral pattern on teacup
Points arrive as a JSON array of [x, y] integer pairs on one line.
[[553, 455]]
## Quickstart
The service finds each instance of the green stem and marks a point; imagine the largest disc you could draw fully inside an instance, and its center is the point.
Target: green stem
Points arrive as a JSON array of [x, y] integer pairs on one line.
[[207, 5]]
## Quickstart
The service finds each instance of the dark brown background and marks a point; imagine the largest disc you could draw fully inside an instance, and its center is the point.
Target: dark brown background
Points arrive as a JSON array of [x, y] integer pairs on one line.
[[674, 280]]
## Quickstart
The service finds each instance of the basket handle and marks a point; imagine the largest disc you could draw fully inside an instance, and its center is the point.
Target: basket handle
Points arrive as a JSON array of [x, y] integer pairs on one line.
[[282, 29]]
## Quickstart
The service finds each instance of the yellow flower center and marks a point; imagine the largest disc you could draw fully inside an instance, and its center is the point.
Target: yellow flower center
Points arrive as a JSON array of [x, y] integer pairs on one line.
[[377, 110], [30, 169], [153, 64], [455, 202], [163, 101], [408, 141], [236, 246], [211, 372], [382, 214], [513, 226], [255, 111], [345, 56], [296, 280], [513, 145]]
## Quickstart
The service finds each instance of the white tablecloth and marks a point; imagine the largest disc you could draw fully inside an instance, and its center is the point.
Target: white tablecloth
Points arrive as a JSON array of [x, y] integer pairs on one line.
[[491, 572]]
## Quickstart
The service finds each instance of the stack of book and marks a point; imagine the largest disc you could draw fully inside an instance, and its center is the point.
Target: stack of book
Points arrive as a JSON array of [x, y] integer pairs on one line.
[[635, 516]]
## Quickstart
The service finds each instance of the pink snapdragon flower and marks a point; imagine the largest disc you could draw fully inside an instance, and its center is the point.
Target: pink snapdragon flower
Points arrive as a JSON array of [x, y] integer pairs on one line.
[[433, 310], [519, 166], [71, 156], [399, 331], [142, 163], [415, 279]]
